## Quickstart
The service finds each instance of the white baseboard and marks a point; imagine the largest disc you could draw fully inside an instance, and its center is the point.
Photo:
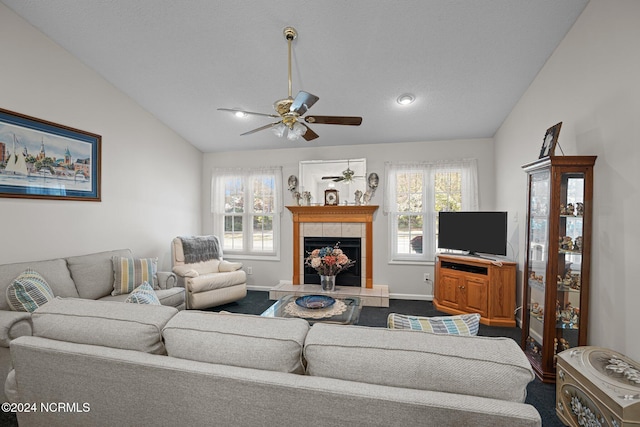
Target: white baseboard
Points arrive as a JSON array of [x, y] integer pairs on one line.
[[418, 297], [259, 288]]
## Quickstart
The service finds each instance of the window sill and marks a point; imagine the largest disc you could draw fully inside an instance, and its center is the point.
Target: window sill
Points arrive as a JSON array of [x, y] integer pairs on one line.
[[253, 257]]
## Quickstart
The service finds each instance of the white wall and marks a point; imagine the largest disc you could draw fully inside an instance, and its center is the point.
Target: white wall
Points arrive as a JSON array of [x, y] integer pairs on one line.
[[590, 84], [405, 281], [150, 176]]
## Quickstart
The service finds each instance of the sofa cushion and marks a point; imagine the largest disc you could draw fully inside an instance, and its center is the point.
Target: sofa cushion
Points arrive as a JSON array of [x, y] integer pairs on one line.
[[478, 366], [129, 273], [143, 294], [55, 272], [111, 324], [273, 344], [28, 292], [464, 324], [93, 273]]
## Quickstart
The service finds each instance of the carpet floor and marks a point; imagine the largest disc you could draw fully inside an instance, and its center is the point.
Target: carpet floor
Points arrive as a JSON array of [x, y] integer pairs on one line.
[[540, 395]]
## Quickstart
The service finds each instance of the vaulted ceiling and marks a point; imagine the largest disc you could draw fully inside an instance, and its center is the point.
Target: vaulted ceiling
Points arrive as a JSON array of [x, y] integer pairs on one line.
[[467, 62]]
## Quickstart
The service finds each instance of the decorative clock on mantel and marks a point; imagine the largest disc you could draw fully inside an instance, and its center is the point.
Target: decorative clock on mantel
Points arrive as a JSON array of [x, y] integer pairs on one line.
[[331, 197]]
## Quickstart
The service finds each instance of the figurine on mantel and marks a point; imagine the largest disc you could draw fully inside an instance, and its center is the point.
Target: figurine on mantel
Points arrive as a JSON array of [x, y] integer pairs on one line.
[[358, 195], [372, 182], [306, 195]]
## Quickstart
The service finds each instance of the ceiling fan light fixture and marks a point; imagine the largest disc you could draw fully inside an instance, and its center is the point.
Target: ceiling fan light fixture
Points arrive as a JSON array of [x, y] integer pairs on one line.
[[279, 130], [406, 99]]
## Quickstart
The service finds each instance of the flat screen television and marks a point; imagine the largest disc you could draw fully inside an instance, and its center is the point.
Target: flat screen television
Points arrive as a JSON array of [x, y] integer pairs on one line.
[[475, 232]]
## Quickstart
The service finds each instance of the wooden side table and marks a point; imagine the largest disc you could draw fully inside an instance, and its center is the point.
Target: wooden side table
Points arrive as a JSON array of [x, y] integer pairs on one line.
[[597, 387]]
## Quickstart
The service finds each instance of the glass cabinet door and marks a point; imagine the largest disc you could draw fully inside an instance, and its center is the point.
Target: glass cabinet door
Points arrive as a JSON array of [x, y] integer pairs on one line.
[[570, 245], [539, 210]]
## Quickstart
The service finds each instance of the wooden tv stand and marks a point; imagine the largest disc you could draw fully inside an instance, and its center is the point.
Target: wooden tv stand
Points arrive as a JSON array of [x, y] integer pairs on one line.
[[469, 284]]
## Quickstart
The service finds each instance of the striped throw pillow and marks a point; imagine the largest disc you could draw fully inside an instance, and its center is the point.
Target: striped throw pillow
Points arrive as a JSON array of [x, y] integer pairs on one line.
[[28, 291], [464, 324], [143, 294], [129, 273]]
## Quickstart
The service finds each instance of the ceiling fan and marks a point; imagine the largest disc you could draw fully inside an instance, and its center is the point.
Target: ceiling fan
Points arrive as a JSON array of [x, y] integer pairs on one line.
[[290, 110], [348, 175]]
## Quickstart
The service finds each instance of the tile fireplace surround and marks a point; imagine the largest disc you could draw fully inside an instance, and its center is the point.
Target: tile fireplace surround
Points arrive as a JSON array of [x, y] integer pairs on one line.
[[335, 221]]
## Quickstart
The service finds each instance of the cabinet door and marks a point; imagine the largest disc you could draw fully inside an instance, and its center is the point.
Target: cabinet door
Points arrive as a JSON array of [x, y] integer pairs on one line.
[[450, 286], [475, 291]]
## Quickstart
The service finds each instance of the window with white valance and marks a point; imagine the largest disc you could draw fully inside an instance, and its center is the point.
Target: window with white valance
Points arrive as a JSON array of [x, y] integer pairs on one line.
[[415, 193], [246, 205]]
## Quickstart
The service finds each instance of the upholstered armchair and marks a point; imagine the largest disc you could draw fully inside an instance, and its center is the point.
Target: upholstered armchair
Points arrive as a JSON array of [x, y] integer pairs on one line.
[[207, 278]]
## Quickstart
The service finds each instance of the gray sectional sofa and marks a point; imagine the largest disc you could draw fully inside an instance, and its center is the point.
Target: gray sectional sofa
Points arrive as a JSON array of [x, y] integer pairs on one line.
[[86, 276], [130, 365]]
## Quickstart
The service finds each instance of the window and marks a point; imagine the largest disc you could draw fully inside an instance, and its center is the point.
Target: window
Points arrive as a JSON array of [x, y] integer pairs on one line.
[[415, 193], [246, 210]]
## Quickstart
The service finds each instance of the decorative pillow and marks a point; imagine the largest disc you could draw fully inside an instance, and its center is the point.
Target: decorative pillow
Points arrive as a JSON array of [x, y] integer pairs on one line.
[[464, 324], [143, 294], [28, 291], [129, 273]]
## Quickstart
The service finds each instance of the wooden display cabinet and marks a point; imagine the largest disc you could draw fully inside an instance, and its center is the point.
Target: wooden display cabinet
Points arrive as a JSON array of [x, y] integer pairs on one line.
[[469, 284], [558, 241]]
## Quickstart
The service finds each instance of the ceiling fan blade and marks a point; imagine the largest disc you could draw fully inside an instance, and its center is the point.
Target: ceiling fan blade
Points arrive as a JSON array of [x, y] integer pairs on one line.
[[309, 134], [331, 177], [270, 125], [334, 120], [303, 101], [235, 110]]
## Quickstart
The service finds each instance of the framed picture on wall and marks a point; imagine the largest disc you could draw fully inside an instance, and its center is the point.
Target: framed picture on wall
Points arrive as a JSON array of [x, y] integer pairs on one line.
[[550, 141], [45, 160]]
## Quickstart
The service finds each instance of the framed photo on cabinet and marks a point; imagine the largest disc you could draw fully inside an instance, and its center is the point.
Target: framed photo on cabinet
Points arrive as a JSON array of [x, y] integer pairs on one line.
[[550, 141]]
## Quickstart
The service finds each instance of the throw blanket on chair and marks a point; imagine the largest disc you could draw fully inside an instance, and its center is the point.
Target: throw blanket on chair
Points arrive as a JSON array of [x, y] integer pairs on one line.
[[200, 248]]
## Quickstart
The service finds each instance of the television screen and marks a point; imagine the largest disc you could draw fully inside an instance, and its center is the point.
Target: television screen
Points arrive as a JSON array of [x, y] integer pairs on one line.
[[483, 232]]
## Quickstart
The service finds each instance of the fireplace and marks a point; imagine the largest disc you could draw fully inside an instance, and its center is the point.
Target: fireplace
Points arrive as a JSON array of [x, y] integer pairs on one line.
[[351, 246], [336, 223]]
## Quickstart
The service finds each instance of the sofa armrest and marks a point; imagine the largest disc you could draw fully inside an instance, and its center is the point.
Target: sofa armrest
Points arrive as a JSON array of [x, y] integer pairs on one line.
[[227, 266], [166, 279], [14, 324], [185, 271]]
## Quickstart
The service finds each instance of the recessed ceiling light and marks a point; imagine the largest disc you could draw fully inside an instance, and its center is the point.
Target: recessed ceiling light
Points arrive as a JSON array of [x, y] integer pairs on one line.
[[240, 114], [406, 99]]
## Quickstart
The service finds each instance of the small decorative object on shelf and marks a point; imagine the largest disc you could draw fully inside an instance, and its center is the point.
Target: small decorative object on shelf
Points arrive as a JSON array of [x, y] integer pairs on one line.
[[306, 195], [328, 262], [331, 197], [358, 199], [558, 242], [550, 140]]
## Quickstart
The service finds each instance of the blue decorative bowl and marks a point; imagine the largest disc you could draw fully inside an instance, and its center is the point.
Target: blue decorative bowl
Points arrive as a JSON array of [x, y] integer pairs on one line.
[[315, 301]]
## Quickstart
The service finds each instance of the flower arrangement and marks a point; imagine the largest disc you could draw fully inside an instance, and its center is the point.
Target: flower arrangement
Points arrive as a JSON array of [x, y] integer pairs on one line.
[[328, 261]]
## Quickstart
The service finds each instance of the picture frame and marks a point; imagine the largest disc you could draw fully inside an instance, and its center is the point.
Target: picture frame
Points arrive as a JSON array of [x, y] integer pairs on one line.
[[45, 160], [550, 141]]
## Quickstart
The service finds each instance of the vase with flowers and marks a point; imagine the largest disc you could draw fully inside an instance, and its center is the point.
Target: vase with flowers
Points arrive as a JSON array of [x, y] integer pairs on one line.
[[328, 262]]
